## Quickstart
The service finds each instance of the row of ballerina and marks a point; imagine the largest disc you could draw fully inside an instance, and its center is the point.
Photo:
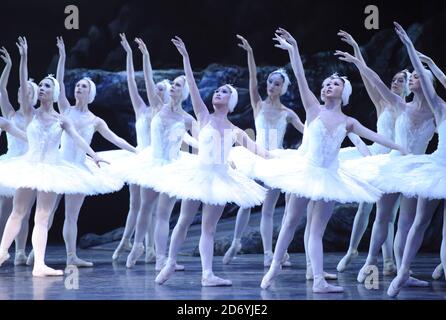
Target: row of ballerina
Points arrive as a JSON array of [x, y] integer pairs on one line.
[[47, 158]]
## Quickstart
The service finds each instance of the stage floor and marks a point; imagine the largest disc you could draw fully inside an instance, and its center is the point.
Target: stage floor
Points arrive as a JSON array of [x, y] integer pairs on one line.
[[113, 281]]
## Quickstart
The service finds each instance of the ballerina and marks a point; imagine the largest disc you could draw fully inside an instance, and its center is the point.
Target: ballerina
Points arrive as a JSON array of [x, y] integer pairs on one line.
[[421, 175], [43, 170], [385, 125], [207, 178], [317, 174], [414, 128], [168, 130], [16, 147], [86, 124], [271, 118]]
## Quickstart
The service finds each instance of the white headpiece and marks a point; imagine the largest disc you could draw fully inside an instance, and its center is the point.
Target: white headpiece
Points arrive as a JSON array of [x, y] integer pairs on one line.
[[233, 99], [285, 78], [56, 89], [92, 93], [35, 89], [185, 92], [347, 91], [167, 86]]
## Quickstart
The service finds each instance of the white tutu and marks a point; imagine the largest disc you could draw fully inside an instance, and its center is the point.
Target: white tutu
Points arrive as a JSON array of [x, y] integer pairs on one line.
[[188, 178]]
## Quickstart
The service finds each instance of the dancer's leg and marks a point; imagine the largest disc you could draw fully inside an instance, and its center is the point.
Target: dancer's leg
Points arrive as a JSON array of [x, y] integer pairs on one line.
[[389, 266], [132, 215], [45, 203], [241, 222], [5, 212], [267, 224], [73, 204]]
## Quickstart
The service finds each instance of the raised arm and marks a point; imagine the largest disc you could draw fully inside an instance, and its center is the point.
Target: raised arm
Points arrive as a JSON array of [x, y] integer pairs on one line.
[[104, 130], [433, 67], [437, 105], [137, 102], [154, 100], [200, 109], [295, 121], [5, 105], [9, 127], [354, 126], [374, 94], [80, 142], [252, 68], [62, 102], [23, 74], [287, 42], [395, 100], [359, 144]]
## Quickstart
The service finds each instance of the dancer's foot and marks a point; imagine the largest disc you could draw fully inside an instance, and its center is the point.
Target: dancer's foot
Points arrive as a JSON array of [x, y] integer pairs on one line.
[[45, 271], [4, 255], [414, 282], [73, 260], [150, 255], [235, 247], [389, 268], [212, 280], [271, 275], [327, 276], [124, 245], [30, 260], [286, 260], [345, 261], [268, 258], [397, 284], [438, 272], [161, 262], [20, 258], [320, 285], [166, 272], [137, 251]]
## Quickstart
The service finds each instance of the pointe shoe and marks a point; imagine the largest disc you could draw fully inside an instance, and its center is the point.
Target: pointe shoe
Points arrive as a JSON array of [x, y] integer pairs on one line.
[[161, 262], [3, 257], [235, 247], [438, 272], [45, 271], [286, 260], [137, 251], [150, 256], [30, 260], [397, 284], [20, 259], [320, 285], [73, 260], [327, 276], [345, 261], [267, 259], [214, 281], [124, 245], [389, 268], [417, 283], [165, 273], [270, 276]]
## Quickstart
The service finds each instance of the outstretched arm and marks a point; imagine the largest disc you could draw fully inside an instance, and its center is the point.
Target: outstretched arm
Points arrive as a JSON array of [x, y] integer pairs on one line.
[[5, 104], [437, 105], [23, 74], [200, 109], [9, 127], [62, 102], [154, 100], [287, 42], [354, 126], [244, 140], [395, 100], [295, 121], [374, 94], [359, 144], [252, 68], [104, 130], [433, 67], [137, 102], [69, 128]]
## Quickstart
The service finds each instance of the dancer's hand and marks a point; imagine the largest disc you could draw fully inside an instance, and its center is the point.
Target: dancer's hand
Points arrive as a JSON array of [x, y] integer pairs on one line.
[[98, 160], [403, 151], [124, 43], [347, 38], [402, 33], [424, 58], [345, 56], [282, 43], [142, 46], [4, 54], [287, 36], [181, 47], [232, 164], [60, 44], [23, 46], [245, 44]]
